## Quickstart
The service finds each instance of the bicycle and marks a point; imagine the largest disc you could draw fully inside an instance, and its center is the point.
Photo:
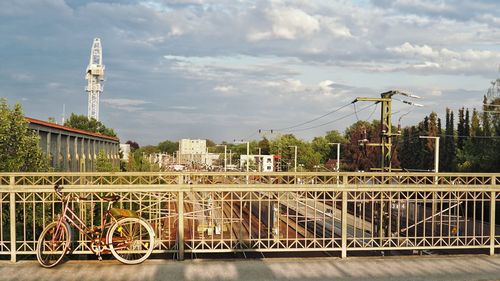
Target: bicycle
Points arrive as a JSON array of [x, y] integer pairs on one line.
[[129, 237]]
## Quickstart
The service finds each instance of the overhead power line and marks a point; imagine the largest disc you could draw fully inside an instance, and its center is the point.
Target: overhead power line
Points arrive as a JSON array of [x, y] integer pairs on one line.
[[315, 119], [332, 121]]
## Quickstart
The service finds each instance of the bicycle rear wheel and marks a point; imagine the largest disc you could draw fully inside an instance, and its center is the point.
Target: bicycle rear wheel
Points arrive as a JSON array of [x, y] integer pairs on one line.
[[53, 244], [131, 240]]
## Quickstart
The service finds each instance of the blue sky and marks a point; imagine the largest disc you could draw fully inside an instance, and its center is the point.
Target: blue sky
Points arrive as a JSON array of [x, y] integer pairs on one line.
[[224, 69]]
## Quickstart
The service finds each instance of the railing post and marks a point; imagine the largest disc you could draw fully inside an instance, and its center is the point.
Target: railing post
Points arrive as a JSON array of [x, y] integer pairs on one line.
[[344, 224], [492, 222], [12, 208], [180, 225]]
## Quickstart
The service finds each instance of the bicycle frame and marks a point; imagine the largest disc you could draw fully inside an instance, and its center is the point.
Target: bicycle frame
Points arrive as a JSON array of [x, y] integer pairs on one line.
[[68, 216]]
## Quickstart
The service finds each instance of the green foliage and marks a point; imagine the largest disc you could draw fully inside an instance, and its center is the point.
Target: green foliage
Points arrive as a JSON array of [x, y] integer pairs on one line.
[[133, 145], [103, 164], [265, 146], [168, 146], [138, 161], [210, 143], [82, 122], [306, 155], [448, 145], [357, 156], [19, 147]]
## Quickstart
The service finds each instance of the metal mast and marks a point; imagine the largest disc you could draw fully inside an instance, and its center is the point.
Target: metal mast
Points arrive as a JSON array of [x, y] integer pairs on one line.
[[386, 133], [94, 77]]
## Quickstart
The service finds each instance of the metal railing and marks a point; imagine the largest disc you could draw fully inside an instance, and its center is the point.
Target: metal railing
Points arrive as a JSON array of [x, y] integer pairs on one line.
[[266, 212]]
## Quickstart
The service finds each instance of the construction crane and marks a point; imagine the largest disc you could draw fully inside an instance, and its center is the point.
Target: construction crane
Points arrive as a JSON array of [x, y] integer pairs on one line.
[[94, 77]]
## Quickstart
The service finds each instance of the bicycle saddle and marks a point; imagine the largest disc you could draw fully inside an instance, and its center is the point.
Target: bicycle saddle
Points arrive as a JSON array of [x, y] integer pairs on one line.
[[113, 198]]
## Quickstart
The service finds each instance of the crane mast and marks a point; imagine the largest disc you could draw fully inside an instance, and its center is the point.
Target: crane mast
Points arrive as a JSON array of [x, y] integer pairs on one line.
[[94, 77]]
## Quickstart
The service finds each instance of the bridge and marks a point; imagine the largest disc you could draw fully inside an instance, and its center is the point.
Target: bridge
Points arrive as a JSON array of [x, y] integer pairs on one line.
[[252, 213]]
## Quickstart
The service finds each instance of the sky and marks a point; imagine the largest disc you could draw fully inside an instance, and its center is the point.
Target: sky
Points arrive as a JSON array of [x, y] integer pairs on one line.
[[224, 69]]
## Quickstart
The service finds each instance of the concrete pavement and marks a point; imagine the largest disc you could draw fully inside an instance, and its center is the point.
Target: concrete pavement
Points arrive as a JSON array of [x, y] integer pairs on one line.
[[454, 268]]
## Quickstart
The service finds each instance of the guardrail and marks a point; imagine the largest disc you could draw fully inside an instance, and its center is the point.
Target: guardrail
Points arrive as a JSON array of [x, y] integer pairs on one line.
[[267, 212]]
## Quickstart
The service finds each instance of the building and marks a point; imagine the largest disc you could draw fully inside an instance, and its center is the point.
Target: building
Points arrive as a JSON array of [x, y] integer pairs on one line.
[[259, 163], [192, 150], [125, 150], [73, 150]]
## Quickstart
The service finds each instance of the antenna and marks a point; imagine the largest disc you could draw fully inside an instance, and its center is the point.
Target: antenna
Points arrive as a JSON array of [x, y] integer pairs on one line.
[[63, 114]]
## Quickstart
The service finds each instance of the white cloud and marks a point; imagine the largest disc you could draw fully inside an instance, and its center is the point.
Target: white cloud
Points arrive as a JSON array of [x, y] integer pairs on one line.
[[444, 60], [287, 23], [224, 88], [183, 107], [326, 87], [129, 105], [287, 85], [410, 50]]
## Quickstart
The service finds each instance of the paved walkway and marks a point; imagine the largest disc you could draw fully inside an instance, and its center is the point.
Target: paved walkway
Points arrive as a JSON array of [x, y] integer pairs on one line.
[[388, 268]]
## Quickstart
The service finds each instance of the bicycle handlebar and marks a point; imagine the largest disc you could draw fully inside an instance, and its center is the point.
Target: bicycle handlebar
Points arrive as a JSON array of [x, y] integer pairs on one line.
[[58, 189]]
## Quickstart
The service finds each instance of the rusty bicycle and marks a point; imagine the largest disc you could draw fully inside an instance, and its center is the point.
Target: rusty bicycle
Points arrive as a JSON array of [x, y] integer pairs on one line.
[[122, 232]]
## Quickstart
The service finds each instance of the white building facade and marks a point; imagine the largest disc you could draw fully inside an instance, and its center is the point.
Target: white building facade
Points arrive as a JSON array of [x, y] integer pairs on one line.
[[125, 150], [259, 163]]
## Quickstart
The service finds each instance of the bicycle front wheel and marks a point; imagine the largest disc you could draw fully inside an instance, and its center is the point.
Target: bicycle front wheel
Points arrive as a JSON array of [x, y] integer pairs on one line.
[[53, 244], [131, 240]]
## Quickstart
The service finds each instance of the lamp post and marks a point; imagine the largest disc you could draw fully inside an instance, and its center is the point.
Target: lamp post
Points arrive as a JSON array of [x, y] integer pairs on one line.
[[295, 158], [338, 154], [225, 156], [230, 157]]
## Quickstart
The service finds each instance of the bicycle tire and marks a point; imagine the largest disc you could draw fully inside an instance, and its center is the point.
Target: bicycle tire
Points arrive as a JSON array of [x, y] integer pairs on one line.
[[131, 240], [55, 250]]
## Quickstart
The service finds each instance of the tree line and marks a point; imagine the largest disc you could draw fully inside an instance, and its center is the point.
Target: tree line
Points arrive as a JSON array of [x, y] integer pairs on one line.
[[469, 142], [472, 144]]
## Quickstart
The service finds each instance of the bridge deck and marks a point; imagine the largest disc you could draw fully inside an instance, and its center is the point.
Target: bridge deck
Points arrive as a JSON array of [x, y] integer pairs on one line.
[[454, 268]]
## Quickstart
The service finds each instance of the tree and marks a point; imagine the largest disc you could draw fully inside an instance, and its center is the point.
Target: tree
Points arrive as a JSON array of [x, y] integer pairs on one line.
[[138, 161], [461, 129], [357, 155], [447, 157], [284, 146], [467, 123], [19, 147], [334, 137], [485, 118], [408, 148], [210, 143], [168, 146], [103, 164], [82, 122], [133, 145], [264, 144], [320, 145]]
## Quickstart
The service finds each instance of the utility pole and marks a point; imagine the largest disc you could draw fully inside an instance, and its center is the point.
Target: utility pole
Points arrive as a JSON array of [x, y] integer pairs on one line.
[[386, 134], [260, 159], [338, 154], [436, 151], [225, 156], [381, 214], [248, 155], [295, 158]]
